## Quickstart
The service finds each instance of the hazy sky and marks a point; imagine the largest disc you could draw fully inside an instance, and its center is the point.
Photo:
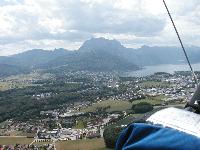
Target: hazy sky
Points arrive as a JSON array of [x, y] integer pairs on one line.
[[49, 24]]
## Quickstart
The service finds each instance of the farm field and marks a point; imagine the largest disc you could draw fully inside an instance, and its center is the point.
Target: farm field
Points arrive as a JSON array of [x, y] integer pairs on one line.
[[93, 144], [113, 105], [157, 100], [79, 125], [29, 77], [22, 80], [8, 85], [14, 140], [116, 105]]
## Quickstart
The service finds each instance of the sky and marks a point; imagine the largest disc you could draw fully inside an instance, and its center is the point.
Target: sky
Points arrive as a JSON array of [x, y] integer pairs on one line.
[[50, 24]]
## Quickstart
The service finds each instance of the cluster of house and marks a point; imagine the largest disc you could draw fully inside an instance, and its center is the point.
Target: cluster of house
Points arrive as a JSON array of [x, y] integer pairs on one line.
[[17, 147], [43, 95], [64, 134], [10, 126], [25, 147], [180, 88], [94, 129]]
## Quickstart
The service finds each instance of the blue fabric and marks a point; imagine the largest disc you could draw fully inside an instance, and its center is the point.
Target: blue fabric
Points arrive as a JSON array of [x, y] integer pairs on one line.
[[141, 136]]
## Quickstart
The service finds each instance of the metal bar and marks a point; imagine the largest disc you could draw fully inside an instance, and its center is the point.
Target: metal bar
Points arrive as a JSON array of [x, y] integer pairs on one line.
[[179, 38]]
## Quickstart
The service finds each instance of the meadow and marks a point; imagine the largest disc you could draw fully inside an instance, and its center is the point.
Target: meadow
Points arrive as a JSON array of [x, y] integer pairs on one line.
[[15, 140], [88, 144], [116, 105], [113, 105]]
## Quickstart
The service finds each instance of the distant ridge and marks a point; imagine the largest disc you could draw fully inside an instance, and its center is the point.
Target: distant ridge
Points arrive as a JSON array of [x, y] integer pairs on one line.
[[98, 54]]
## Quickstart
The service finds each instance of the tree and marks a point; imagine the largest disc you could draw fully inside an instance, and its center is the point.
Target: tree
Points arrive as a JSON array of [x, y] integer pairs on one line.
[[111, 135], [142, 107]]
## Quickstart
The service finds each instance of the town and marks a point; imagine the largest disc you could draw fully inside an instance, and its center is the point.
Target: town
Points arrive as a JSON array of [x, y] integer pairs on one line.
[[101, 100]]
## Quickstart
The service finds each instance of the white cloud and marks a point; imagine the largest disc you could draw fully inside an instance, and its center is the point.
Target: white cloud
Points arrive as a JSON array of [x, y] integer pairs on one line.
[[27, 24]]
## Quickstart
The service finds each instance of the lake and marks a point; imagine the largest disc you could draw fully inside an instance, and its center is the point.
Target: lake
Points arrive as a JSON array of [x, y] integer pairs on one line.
[[169, 68]]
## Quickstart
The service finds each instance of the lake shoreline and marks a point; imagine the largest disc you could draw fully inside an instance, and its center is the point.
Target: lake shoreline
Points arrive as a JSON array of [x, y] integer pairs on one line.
[[168, 68]]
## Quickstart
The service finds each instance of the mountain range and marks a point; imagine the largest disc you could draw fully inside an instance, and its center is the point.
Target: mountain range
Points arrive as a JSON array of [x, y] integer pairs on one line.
[[96, 54]]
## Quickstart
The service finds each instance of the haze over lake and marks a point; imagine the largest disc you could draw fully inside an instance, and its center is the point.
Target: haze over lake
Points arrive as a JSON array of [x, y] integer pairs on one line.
[[169, 68]]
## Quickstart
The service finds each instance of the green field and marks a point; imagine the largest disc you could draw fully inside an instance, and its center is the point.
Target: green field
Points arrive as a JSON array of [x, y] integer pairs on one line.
[[79, 125], [93, 144], [15, 140], [157, 100], [8, 85], [22, 80], [26, 134], [115, 105], [29, 77]]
